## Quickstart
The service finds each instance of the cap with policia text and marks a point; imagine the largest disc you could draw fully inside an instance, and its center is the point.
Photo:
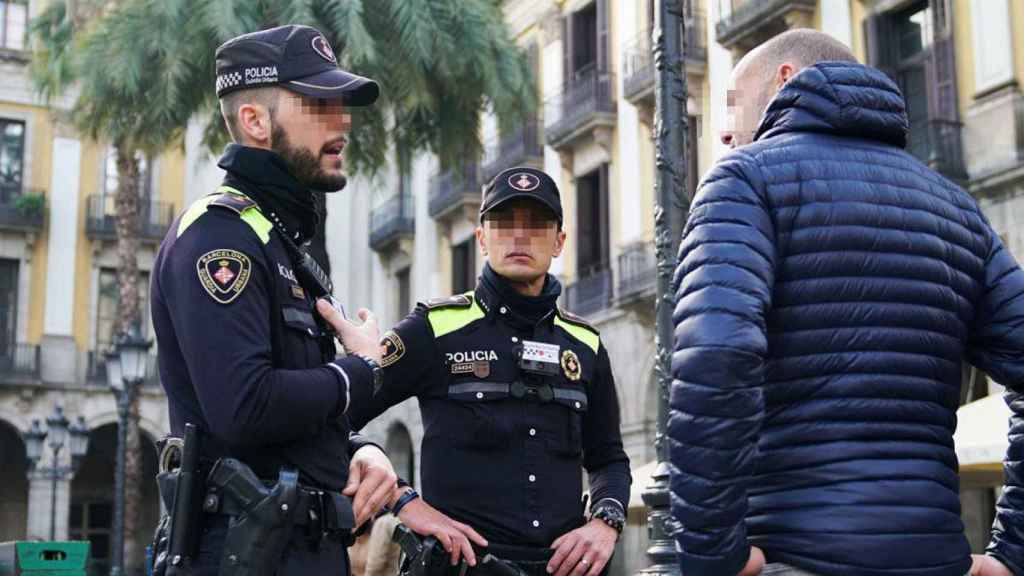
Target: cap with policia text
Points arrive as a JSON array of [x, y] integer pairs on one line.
[[294, 57], [522, 182]]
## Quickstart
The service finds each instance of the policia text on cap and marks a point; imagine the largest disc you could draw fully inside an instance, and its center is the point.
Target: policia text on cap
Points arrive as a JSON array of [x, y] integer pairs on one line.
[[271, 478]]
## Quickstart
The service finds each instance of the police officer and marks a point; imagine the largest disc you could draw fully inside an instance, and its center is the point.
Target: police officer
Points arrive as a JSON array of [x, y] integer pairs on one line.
[[242, 353], [516, 395]]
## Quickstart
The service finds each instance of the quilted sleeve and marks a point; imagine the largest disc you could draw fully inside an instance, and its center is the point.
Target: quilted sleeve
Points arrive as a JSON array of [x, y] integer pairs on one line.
[[996, 346], [723, 293]]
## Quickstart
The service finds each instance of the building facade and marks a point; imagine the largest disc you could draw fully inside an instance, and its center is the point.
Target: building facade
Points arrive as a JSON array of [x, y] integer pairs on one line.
[[58, 304]]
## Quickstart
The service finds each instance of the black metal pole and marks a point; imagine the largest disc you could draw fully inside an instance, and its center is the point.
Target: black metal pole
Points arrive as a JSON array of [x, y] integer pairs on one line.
[[54, 473], [124, 399], [671, 207]]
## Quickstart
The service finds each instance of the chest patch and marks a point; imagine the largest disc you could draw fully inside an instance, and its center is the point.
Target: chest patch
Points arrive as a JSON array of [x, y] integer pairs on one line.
[[571, 365], [224, 274]]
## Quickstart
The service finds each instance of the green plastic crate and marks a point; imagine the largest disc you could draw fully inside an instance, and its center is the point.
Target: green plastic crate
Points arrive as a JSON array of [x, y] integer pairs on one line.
[[44, 558]]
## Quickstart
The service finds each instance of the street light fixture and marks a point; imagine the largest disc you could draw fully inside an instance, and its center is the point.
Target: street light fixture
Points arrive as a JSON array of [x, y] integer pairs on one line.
[[59, 433], [126, 370]]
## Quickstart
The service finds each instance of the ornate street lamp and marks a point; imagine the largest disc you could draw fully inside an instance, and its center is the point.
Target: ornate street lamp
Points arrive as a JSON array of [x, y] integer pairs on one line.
[[59, 434], [670, 211], [126, 370]]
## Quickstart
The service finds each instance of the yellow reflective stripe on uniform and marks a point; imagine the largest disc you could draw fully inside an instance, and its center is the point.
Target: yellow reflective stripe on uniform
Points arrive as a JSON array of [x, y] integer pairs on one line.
[[446, 320], [197, 209], [251, 216], [580, 333], [259, 224]]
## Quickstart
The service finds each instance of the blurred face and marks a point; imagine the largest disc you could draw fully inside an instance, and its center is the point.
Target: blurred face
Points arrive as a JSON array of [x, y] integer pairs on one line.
[[745, 101], [310, 134], [519, 239]]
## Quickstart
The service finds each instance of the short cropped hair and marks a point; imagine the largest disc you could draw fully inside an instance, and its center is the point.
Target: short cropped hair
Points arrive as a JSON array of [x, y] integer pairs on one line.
[[266, 96]]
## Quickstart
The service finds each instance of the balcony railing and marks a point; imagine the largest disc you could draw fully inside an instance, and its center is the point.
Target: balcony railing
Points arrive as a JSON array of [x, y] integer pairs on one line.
[[96, 370], [638, 59], [757, 19], [938, 144], [520, 148], [583, 103], [21, 208], [19, 360], [453, 189], [392, 221], [101, 218], [591, 293], [638, 272]]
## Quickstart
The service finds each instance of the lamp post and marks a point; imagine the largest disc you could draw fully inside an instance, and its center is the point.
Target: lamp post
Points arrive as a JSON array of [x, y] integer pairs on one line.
[[670, 211], [59, 433], [126, 369]]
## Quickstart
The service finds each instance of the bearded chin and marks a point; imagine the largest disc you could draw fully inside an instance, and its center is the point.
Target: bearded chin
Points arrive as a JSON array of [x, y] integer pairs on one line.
[[305, 165]]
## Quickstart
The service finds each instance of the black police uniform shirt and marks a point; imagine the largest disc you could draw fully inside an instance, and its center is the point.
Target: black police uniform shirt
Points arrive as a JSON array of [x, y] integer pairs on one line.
[[240, 353], [509, 467]]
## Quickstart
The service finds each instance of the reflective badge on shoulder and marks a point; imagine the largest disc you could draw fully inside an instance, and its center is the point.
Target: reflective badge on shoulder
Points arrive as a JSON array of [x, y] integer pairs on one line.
[[394, 349], [224, 274]]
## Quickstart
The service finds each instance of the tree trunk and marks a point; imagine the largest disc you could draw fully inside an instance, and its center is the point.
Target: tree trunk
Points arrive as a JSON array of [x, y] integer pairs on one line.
[[128, 209]]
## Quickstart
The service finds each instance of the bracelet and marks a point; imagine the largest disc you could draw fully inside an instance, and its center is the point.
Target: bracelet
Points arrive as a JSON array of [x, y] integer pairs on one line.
[[405, 499]]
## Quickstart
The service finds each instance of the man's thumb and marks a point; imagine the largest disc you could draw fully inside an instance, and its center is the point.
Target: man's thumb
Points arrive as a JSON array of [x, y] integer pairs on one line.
[[352, 485]]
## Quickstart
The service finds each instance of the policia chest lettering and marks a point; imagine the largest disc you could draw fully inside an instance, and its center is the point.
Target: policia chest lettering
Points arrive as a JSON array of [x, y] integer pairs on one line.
[[481, 362]]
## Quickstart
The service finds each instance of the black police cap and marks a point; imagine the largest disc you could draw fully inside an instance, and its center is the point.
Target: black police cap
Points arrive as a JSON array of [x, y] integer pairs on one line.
[[295, 57], [522, 182]]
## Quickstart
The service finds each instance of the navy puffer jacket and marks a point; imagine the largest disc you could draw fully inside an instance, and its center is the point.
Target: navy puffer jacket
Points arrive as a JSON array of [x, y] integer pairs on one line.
[[829, 287]]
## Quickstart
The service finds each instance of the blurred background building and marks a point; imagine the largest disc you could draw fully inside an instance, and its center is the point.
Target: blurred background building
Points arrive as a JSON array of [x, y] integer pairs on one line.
[[407, 234]]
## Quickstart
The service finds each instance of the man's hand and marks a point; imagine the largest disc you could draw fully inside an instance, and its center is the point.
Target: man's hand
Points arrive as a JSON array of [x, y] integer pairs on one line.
[[982, 565], [584, 551], [755, 563], [362, 339], [371, 480], [425, 520]]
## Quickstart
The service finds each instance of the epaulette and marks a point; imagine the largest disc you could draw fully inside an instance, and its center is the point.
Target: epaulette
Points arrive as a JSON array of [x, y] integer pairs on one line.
[[578, 320], [457, 301], [234, 202]]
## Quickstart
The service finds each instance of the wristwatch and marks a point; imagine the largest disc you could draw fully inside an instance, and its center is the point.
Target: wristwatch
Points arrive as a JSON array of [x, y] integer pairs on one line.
[[610, 512], [375, 369]]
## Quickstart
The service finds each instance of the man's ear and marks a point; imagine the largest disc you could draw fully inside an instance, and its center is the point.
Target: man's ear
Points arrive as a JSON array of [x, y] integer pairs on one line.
[[559, 243], [255, 125], [479, 232], [783, 74]]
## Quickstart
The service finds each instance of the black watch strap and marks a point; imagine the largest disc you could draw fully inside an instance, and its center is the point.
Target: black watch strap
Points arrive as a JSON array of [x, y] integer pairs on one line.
[[611, 512]]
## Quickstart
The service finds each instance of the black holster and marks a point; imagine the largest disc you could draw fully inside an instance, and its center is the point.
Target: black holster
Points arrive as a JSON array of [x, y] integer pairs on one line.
[[180, 483], [256, 539]]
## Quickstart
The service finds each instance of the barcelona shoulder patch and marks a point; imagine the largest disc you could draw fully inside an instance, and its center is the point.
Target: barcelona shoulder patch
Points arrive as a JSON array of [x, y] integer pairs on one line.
[[224, 274]]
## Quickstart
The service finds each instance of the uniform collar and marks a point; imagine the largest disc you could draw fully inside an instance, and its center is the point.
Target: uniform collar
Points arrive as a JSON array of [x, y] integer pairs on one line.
[[264, 177], [499, 299]]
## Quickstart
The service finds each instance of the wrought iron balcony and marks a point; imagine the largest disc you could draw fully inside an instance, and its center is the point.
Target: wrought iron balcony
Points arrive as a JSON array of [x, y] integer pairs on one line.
[[638, 273], [452, 190], [591, 293], [392, 221], [520, 148], [101, 218], [19, 360], [96, 370], [21, 208], [638, 60], [938, 144], [753, 21], [583, 104]]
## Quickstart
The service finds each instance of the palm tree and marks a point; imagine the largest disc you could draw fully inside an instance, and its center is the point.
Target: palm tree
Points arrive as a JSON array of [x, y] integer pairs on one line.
[[145, 67]]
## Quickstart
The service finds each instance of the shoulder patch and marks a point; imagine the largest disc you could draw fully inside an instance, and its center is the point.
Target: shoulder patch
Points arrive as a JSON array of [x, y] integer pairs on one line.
[[224, 274], [394, 348], [234, 202], [457, 301]]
